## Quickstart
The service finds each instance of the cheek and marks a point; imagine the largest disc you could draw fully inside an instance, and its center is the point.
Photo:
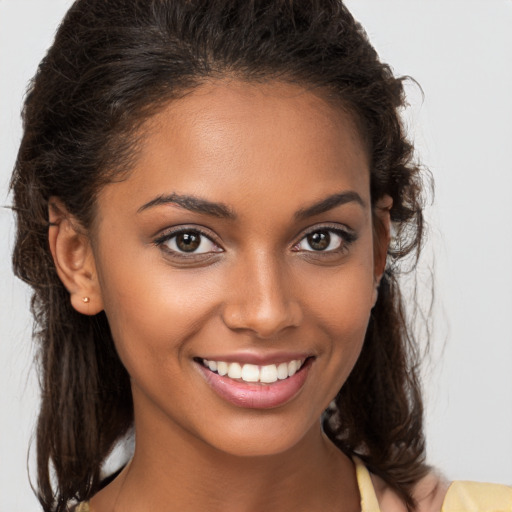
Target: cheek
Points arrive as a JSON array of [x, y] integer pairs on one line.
[[342, 311], [155, 309], [343, 299]]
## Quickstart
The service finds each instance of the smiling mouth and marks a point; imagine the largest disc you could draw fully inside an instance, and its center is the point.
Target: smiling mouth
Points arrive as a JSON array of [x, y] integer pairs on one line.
[[252, 373]]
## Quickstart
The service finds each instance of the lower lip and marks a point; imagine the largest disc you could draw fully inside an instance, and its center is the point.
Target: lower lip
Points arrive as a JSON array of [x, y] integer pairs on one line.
[[257, 396]]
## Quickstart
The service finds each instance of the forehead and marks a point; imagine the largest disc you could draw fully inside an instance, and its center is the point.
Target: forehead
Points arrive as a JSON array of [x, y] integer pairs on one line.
[[228, 140]]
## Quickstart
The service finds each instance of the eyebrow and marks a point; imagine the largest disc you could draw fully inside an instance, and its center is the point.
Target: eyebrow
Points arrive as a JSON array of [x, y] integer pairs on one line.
[[220, 210], [329, 203], [193, 204]]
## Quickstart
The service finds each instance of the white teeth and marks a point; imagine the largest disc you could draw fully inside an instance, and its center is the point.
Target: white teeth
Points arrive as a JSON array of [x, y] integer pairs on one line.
[[282, 371], [268, 374], [234, 371], [292, 368], [250, 373], [253, 373], [222, 368]]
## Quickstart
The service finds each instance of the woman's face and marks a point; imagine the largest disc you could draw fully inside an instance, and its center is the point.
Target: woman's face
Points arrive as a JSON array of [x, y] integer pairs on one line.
[[238, 251]]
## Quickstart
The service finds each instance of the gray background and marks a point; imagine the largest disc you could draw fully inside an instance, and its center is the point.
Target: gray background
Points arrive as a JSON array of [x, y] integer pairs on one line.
[[461, 54]]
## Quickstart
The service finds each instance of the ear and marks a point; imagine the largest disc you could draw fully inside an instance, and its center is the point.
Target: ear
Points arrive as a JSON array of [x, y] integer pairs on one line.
[[74, 259], [381, 237]]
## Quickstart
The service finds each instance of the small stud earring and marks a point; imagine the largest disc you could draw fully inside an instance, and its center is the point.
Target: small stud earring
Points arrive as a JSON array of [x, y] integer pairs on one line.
[[86, 300]]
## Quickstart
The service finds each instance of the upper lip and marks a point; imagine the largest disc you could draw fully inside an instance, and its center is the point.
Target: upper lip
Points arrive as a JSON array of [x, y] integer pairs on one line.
[[258, 359]]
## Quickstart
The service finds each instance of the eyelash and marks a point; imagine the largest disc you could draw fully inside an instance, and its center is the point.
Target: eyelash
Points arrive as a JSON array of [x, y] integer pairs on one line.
[[347, 237], [173, 234]]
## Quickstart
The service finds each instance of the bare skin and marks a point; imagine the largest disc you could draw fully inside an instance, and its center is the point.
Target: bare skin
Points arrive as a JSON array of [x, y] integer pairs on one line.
[[237, 484], [429, 494], [251, 177]]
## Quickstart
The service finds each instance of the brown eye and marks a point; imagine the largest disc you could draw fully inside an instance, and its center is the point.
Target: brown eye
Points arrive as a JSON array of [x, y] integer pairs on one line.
[[188, 242], [325, 240], [319, 240]]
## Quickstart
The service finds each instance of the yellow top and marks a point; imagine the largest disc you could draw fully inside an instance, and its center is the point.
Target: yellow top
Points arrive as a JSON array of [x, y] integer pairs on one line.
[[461, 496], [478, 497]]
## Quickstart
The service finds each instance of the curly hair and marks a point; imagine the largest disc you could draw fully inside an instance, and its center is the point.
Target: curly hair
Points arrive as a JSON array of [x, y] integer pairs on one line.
[[112, 65]]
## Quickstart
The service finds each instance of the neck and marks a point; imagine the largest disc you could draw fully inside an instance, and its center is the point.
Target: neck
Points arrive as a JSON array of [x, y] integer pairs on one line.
[[174, 470]]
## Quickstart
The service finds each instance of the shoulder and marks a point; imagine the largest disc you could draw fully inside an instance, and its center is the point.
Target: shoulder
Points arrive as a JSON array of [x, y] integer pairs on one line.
[[429, 494], [478, 497], [435, 494], [80, 507]]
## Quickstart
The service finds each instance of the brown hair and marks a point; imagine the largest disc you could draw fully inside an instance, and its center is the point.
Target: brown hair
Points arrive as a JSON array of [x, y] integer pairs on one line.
[[113, 64]]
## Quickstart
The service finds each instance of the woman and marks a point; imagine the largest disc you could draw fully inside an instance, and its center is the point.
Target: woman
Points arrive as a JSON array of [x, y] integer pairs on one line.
[[205, 193]]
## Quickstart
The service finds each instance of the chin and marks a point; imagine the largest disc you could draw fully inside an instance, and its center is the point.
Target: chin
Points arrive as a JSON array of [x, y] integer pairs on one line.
[[263, 436]]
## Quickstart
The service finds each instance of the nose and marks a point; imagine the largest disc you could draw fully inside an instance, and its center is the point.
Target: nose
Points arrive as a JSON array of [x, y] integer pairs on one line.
[[261, 299]]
